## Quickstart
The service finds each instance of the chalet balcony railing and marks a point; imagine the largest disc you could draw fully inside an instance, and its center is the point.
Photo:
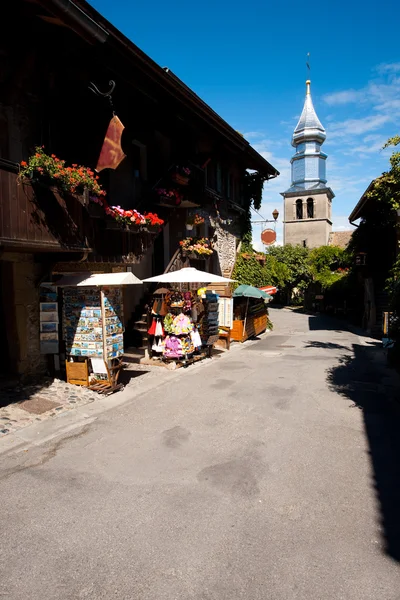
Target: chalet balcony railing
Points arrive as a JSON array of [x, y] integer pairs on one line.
[[40, 218]]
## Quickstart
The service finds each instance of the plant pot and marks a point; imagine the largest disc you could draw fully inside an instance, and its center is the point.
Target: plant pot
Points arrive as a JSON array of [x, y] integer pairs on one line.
[[189, 226], [114, 225], [180, 179], [154, 229], [194, 256]]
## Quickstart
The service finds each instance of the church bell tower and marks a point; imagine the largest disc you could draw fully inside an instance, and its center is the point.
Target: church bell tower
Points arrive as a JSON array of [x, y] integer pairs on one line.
[[308, 201]]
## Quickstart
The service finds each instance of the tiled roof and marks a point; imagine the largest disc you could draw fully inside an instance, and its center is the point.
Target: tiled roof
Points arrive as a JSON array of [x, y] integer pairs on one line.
[[340, 238]]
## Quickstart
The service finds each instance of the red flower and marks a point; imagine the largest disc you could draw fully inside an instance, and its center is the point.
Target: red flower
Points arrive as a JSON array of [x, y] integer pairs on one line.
[[24, 163]]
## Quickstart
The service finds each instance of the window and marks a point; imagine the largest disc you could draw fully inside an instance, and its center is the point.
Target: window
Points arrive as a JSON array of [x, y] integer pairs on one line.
[[310, 208], [299, 209]]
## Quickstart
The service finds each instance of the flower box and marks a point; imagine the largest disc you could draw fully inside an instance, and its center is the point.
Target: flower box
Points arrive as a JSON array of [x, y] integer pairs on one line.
[[194, 256]]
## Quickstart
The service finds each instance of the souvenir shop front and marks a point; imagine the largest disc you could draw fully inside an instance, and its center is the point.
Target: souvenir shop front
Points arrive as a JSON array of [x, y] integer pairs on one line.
[[250, 312], [93, 326], [183, 317]]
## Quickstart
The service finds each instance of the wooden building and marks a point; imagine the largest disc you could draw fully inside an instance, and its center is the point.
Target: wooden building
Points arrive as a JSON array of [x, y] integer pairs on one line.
[[52, 53]]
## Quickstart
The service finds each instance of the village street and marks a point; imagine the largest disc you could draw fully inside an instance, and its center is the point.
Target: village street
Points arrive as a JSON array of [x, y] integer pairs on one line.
[[271, 472]]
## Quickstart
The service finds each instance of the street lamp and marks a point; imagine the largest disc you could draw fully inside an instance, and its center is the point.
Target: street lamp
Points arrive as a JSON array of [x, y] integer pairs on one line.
[[275, 214]]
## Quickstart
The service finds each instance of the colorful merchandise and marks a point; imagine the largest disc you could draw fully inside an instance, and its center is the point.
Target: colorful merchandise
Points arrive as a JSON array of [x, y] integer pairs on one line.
[[92, 322]]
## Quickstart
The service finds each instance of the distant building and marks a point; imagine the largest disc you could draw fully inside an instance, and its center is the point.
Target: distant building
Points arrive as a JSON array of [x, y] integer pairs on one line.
[[340, 238], [308, 201]]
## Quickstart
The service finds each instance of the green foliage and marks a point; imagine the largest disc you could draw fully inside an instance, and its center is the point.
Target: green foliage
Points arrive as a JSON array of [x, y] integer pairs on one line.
[[253, 187], [328, 264], [250, 271], [295, 259], [386, 188]]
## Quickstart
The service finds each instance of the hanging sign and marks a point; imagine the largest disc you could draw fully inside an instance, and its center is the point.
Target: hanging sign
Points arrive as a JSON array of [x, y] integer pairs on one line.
[[268, 237]]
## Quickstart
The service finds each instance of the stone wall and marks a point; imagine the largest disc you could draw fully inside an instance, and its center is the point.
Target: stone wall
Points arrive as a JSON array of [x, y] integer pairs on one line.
[[22, 315], [225, 243]]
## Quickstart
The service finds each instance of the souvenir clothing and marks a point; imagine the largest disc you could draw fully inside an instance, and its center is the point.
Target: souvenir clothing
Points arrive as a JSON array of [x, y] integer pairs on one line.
[[182, 324], [172, 347], [196, 339], [152, 329]]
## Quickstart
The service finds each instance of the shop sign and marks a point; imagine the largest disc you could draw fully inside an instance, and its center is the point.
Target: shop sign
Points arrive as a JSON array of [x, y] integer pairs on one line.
[[268, 237]]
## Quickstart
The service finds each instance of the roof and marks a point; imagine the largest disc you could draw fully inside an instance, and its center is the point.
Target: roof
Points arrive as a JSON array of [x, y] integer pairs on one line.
[[340, 238], [309, 126], [357, 211], [82, 18]]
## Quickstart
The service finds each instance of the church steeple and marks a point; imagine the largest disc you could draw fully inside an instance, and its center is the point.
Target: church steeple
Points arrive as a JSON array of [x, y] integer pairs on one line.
[[308, 201], [309, 126], [308, 164]]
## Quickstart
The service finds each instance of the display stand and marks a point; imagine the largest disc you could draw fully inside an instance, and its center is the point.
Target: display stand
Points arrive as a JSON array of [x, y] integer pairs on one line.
[[93, 329]]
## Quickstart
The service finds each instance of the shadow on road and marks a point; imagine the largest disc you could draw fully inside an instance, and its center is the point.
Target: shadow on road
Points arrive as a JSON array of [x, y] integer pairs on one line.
[[359, 378], [326, 345]]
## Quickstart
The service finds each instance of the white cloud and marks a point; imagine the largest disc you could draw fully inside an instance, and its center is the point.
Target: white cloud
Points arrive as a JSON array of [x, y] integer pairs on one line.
[[388, 68], [341, 223], [344, 97], [251, 135], [351, 127]]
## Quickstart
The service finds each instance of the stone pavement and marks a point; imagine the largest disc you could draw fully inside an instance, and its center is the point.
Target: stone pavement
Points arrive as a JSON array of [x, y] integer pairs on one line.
[[272, 472], [24, 405], [34, 403]]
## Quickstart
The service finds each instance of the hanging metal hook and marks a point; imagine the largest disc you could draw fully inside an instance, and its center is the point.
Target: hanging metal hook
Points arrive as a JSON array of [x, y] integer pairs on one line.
[[93, 88]]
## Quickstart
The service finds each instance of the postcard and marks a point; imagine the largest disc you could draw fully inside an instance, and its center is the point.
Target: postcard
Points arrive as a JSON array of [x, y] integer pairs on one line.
[[49, 316], [48, 336], [48, 327], [48, 307]]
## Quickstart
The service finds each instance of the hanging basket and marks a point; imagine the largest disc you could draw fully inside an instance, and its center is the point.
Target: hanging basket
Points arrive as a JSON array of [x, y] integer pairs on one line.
[[189, 226]]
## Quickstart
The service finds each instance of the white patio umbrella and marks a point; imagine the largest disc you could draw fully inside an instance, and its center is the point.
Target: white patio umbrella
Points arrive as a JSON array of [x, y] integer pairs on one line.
[[188, 275]]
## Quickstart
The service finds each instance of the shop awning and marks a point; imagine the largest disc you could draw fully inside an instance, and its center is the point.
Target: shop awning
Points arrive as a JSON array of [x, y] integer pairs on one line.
[[248, 291], [188, 275], [97, 279], [270, 289]]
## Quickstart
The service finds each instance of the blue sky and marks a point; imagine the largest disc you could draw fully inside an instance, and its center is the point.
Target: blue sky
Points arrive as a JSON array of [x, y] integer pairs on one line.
[[247, 60]]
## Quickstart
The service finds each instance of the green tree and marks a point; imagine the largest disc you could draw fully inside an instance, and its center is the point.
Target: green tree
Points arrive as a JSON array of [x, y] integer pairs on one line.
[[294, 267], [328, 264]]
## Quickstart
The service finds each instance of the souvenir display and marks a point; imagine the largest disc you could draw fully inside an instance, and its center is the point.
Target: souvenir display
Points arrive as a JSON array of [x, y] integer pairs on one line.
[[92, 322], [49, 343], [174, 321], [209, 321]]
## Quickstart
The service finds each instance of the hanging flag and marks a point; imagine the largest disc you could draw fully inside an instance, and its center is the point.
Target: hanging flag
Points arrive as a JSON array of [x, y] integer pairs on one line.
[[111, 154]]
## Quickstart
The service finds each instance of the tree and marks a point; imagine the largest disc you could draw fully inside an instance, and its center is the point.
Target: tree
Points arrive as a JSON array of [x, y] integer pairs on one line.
[[294, 267], [328, 264]]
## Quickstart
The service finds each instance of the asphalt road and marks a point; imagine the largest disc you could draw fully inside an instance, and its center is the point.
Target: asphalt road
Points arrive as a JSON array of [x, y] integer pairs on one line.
[[270, 473]]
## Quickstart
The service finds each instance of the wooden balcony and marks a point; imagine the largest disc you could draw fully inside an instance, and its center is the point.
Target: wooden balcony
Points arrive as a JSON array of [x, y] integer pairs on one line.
[[37, 218]]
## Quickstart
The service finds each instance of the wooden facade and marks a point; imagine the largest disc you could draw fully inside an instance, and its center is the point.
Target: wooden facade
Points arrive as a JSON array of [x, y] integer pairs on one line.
[[52, 51]]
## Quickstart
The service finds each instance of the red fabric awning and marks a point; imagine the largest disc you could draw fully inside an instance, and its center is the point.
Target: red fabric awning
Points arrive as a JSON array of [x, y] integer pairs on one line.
[[270, 289]]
